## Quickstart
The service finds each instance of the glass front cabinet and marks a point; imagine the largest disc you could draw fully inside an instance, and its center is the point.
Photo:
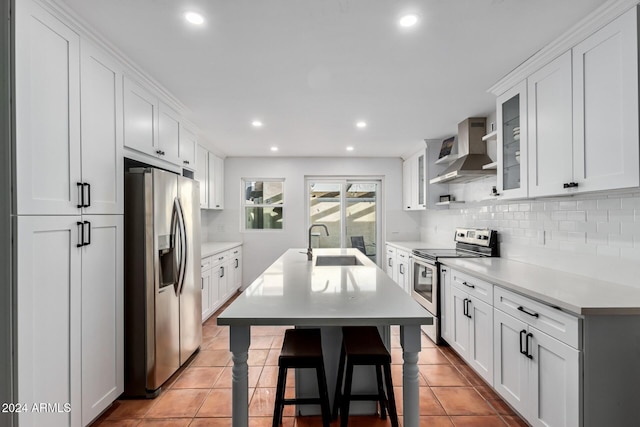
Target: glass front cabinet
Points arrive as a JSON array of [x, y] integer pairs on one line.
[[512, 142]]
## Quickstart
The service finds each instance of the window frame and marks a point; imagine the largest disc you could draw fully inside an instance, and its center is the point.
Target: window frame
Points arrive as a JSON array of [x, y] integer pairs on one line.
[[244, 205]]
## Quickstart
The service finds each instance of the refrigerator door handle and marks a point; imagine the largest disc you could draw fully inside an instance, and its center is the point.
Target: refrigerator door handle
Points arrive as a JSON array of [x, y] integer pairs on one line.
[[182, 241]]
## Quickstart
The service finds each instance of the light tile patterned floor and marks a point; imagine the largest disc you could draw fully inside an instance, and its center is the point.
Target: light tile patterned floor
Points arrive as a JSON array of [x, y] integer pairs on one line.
[[199, 395]]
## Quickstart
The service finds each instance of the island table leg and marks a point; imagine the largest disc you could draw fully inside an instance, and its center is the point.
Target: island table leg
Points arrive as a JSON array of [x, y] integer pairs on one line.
[[239, 340], [411, 344]]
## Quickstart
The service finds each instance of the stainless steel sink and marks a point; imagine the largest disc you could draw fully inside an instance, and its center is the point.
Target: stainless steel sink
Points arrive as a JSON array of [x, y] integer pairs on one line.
[[333, 260]]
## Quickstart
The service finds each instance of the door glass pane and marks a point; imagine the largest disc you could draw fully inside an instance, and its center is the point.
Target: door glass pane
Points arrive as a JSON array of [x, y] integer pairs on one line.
[[361, 218], [423, 281], [511, 143], [325, 199]]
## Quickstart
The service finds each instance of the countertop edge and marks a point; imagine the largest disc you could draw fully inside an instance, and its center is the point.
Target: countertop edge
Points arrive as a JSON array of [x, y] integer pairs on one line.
[[212, 248]]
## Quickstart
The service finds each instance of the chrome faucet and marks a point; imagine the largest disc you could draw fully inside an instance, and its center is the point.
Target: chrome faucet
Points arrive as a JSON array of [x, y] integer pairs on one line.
[[309, 250]]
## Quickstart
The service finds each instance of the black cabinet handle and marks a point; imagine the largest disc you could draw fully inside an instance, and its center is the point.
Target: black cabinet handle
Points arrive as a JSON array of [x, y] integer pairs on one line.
[[221, 271], [186, 162], [80, 195], [202, 284], [464, 307], [468, 302], [529, 355], [570, 184], [390, 263], [159, 152], [88, 242], [468, 285], [523, 333], [81, 234], [86, 205], [530, 313], [237, 263], [401, 269]]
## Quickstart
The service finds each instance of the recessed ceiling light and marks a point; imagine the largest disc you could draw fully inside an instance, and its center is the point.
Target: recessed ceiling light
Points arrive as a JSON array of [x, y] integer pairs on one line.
[[349, 148], [274, 148], [408, 21], [194, 18], [361, 124], [256, 123]]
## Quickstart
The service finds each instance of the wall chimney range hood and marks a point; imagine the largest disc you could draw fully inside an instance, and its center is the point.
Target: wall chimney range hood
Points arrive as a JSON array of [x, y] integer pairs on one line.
[[472, 152]]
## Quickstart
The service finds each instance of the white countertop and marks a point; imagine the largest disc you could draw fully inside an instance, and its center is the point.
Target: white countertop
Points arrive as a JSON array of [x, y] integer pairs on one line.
[[573, 293], [294, 291], [210, 248]]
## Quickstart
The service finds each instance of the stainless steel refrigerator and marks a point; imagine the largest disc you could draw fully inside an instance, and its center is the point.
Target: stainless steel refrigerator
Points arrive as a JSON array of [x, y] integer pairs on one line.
[[163, 302]]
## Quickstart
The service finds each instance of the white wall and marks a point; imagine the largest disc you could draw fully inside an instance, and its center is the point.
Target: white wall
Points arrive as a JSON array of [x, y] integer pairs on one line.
[[260, 249], [595, 235]]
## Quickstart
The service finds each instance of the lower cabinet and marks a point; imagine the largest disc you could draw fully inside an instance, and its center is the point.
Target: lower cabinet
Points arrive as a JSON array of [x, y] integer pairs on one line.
[[402, 261], [69, 316], [221, 279], [535, 373], [471, 332], [390, 263]]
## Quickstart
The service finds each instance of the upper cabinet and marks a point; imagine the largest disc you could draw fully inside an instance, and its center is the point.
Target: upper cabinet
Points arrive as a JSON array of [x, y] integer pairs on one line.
[[47, 108], [577, 127], [512, 142], [168, 134], [216, 182], [605, 99], [187, 148], [414, 181], [140, 119], [550, 129], [202, 175]]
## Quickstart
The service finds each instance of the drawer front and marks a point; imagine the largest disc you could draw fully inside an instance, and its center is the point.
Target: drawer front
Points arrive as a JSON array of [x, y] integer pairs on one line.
[[556, 323], [391, 250], [220, 258], [206, 263], [403, 257], [474, 287], [236, 252]]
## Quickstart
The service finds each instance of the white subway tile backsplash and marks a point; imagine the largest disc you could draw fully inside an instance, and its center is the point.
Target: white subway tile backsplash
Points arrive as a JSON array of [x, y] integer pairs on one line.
[[609, 204], [593, 225]]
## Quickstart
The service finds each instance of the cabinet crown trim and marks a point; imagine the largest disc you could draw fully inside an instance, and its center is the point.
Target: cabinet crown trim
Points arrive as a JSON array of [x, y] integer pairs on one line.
[[597, 19]]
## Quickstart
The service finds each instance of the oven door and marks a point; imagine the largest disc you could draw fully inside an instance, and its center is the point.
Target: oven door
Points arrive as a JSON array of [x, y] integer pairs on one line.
[[424, 286]]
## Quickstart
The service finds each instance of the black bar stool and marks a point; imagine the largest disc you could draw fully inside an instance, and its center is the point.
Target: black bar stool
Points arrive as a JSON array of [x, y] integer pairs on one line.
[[361, 345], [302, 348]]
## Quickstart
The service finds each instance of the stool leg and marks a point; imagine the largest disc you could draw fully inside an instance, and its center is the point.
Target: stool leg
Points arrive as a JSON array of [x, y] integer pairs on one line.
[[279, 406], [338, 394], [381, 397], [346, 396], [391, 398], [324, 394]]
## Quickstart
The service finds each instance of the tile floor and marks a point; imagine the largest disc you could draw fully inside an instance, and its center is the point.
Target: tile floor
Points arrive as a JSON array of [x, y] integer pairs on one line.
[[451, 394]]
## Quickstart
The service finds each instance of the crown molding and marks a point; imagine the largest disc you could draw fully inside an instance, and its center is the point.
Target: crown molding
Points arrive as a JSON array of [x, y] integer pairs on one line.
[[583, 29], [70, 18]]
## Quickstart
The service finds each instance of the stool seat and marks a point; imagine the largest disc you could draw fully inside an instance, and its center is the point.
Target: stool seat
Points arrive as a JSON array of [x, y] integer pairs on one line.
[[301, 348], [362, 345]]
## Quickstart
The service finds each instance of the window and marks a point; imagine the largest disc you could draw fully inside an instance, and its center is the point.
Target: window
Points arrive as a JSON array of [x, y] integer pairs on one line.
[[263, 204]]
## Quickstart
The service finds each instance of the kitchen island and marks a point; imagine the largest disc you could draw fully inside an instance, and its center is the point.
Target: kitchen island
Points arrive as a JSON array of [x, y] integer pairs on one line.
[[295, 291]]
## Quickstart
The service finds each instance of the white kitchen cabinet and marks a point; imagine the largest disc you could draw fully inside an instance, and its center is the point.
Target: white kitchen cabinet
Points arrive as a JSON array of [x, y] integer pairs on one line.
[[414, 181], [550, 128], [102, 314], [390, 265], [446, 306], [202, 175], [512, 142], [605, 116], [471, 330], [402, 261], [207, 289], [49, 321], [169, 134], [140, 119], [187, 148], [220, 282], [216, 182], [235, 268], [535, 373], [47, 113], [101, 132]]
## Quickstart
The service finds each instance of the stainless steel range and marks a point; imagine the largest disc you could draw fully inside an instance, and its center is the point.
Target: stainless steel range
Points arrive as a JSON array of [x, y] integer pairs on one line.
[[425, 268]]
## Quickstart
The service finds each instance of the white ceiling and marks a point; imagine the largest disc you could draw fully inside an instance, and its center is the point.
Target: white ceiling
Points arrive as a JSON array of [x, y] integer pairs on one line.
[[309, 69]]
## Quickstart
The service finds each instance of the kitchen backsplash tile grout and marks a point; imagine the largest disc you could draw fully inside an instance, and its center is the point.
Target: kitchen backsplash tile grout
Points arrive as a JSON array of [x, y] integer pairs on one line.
[[590, 226]]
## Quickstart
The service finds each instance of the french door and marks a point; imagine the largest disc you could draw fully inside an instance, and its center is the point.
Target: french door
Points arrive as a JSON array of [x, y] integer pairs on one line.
[[350, 208]]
